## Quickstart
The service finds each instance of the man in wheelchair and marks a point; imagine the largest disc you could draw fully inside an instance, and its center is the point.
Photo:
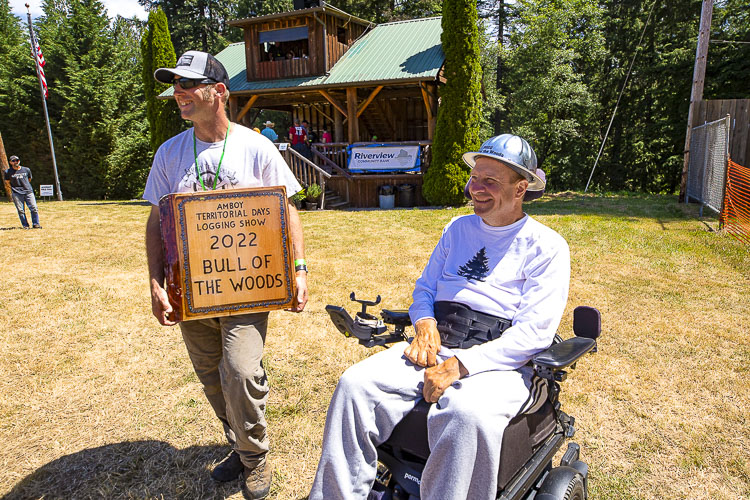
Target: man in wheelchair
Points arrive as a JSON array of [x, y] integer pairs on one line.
[[491, 297]]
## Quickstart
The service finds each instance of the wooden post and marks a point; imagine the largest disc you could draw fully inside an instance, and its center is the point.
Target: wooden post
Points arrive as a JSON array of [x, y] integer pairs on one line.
[[338, 126], [429, 102], [367, 102], [334, 102], [4, 166], [246, 107], [233, 107], [351, 113], [696, 93]]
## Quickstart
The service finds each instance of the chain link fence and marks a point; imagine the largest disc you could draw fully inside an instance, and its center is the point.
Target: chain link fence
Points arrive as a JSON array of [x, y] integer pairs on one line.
[[707, 166]]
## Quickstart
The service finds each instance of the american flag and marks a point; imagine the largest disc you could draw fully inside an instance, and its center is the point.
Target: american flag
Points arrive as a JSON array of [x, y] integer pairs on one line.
[[40, 64]]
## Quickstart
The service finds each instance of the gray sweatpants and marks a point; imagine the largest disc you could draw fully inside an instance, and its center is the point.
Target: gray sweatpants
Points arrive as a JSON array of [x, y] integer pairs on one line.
[[226, 354], [465, 428]]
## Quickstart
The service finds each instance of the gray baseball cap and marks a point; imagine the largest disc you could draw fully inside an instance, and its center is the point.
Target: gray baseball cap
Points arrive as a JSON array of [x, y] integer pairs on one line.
[[196, 65]]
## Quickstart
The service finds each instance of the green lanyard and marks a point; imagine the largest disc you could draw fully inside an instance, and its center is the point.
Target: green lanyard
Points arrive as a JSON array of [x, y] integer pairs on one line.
[[218, 169]]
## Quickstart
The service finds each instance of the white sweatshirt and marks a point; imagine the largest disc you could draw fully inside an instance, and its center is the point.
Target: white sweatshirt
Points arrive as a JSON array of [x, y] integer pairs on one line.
[[520, 272]]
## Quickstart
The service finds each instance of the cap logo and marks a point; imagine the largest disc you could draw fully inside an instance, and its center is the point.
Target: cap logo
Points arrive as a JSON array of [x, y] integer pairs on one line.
[[185, 60], [492, 151]]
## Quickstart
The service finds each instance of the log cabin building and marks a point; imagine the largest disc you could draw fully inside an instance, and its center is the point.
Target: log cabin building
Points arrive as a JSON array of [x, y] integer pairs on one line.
[[366, 84]]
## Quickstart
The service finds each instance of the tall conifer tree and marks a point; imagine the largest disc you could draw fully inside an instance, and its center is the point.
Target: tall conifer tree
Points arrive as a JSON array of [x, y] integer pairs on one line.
[[19, 91], [460, 110], [157, 52]]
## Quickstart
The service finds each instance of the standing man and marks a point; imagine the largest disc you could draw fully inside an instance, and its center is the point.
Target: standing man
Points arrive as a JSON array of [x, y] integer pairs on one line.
[[269, 132], [226, 352], [491, 296], [22, 191], [298, 137], [310, 137]]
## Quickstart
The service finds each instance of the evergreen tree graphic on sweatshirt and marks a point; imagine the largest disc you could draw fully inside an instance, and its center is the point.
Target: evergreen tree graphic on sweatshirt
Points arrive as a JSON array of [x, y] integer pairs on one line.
[[476, 268]]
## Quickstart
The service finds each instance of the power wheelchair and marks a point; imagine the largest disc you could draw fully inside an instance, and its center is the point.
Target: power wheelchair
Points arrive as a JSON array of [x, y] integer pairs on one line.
[[531, 439]]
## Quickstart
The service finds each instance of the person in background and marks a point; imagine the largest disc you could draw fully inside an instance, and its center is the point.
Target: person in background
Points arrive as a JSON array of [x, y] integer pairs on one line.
[[326, 139], [269, 132], [298, 136], [312, 137], [22, 192]]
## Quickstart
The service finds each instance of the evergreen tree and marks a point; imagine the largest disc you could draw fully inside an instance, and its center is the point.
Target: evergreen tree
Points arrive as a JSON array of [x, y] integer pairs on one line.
[[555, 45], [77, 44], [644, 151], [459, 114], [254, 8], [494, 85], [382, 11], [129, 161], [20, 101], [728, 61], [157, 52], [196, 24], [477, 268]]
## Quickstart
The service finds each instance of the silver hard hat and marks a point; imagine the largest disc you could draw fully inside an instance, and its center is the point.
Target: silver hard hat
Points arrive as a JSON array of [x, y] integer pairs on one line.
[[512, 151]]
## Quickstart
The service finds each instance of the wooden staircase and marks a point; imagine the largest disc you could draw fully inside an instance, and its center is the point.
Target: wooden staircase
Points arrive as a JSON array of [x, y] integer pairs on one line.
[[307, 173], [334, 201], [375, 122]]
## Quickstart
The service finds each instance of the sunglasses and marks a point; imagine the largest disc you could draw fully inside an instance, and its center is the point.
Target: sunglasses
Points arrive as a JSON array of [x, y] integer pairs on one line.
[[189, 83]]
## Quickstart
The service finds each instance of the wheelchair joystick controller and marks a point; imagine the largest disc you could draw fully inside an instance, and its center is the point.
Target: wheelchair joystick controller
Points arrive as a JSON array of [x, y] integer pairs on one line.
[[364, 303]]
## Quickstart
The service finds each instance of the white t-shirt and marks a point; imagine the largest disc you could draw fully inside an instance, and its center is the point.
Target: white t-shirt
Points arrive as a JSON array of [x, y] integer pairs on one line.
[[250, 160], [520, 272]]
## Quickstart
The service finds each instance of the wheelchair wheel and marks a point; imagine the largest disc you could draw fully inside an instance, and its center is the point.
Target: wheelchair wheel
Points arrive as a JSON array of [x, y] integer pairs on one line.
[[576, 489]]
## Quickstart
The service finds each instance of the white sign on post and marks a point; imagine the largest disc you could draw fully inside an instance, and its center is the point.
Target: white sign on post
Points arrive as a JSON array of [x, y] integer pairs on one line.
[[46, 190], [384, 158], [283, 146]]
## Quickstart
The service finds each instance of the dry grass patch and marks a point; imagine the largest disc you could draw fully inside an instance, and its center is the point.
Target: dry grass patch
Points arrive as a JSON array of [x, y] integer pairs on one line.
[[98, 400]]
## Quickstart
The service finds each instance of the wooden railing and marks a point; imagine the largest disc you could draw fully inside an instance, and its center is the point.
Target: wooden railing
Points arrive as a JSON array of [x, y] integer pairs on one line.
[[335, 152], [283, 68], [306, 171], [322, 159]]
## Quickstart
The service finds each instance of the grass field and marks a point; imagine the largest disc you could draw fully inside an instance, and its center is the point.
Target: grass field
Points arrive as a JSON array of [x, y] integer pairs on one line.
[[98, 401]]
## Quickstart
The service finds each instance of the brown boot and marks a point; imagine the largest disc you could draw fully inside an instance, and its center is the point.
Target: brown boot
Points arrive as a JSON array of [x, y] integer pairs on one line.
[[228, 469], [256, 482]]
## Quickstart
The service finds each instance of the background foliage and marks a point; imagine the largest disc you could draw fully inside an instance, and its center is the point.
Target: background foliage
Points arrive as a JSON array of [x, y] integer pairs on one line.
[[457, 129], [157, 51], [563, 63]]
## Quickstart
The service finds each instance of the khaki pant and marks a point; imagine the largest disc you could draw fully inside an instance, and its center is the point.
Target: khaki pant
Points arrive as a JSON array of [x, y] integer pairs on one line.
[[227, 356]]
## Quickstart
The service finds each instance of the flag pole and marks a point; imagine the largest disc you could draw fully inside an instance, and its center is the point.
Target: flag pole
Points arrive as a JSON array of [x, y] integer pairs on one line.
[[44, 101]]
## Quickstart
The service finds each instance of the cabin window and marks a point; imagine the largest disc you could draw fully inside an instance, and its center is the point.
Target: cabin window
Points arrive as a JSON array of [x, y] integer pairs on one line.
[[289, 43], [341, 35]]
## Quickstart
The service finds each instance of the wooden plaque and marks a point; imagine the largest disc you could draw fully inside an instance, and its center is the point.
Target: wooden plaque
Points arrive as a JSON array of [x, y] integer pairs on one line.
[[227, 252]]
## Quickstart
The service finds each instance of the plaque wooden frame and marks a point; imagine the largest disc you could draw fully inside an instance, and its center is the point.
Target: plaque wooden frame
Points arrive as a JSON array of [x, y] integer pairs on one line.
[[237, 238]]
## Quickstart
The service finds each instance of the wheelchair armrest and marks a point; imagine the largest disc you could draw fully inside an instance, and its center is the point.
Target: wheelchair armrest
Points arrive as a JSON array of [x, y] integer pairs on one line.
[[398, 317], [562, 355]]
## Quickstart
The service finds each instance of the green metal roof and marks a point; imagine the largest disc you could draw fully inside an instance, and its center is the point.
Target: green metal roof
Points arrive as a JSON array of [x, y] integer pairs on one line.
[[405, 50], [400, 51]]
